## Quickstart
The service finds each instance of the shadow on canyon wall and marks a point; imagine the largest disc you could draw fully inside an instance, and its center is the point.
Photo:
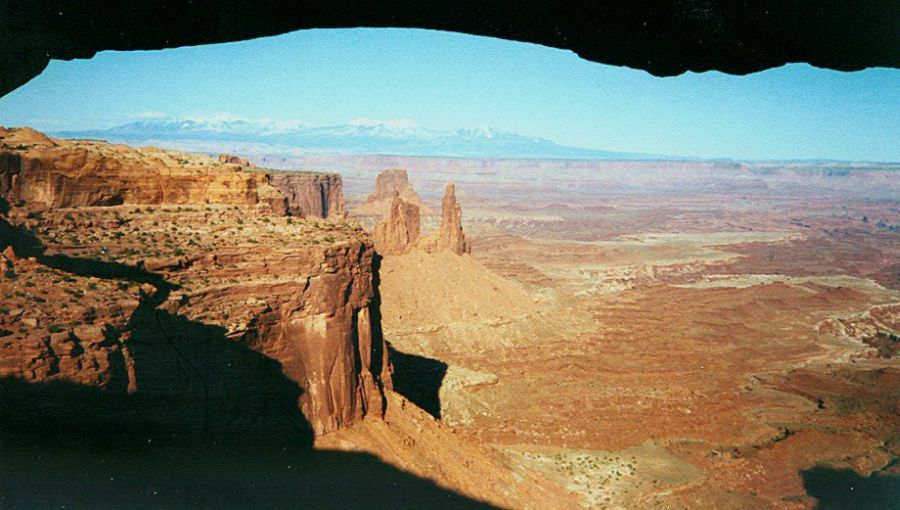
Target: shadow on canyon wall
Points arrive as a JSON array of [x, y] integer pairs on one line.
[[212, 424]]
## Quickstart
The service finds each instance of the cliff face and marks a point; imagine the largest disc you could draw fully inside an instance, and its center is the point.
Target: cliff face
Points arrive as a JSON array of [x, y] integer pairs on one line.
[[227, 334], [232, 159], [317, 195], [388, 184], [450, 235], [62, 173], [399, 232], [312, 310]]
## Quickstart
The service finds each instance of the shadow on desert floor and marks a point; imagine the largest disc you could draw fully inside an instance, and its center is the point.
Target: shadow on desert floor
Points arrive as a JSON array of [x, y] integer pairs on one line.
[[419, 379], [839, 489]]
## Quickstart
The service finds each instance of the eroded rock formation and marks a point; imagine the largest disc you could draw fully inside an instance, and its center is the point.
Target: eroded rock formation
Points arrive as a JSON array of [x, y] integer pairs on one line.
[[450, 235], [315, 319], [389, 183], [398, 233], [232, 159], [279, 334], [312, 194], [62, 173]]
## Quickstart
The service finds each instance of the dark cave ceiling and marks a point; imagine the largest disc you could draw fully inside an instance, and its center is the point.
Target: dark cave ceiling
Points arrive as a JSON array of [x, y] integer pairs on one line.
[[662, 37]]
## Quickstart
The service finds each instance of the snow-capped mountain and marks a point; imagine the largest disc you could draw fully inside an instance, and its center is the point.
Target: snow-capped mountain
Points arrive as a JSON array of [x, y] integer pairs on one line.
[[358, 137]]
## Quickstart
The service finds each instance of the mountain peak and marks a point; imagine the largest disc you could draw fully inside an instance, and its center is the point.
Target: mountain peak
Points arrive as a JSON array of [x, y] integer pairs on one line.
[[401, 137]]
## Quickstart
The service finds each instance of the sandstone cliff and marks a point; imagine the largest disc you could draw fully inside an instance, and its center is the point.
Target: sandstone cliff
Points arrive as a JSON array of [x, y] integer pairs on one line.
[[232, 159], [389, 183], [399, 232], [311, 194], [450, 235], [228, 333], [63, 173], [311, 309]]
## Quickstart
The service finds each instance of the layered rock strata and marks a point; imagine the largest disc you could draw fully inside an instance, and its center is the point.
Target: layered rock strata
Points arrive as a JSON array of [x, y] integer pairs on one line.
[[312, 194], [62, 173], [40, 170], [191, 319]]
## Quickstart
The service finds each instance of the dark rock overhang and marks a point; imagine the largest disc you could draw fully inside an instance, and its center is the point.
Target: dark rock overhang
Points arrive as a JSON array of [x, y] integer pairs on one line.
[[661, 37]]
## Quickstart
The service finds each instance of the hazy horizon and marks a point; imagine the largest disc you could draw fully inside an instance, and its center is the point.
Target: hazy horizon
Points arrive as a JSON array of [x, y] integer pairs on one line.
[[445, 81]]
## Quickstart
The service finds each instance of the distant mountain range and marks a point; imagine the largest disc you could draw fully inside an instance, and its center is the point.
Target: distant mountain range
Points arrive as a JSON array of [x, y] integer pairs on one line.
[[355, 138]]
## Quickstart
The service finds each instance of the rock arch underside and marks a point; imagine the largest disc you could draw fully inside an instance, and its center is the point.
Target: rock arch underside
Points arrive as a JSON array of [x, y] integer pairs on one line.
[[663, 38]]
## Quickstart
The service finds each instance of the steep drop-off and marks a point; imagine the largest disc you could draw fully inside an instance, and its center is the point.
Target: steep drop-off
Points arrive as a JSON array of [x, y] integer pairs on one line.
[[158, 321], [311, 194], [61, 173], [245, 321], [51, 172]]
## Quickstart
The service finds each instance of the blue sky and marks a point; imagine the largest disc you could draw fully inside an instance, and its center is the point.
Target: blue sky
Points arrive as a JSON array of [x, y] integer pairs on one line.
[[445, 81]]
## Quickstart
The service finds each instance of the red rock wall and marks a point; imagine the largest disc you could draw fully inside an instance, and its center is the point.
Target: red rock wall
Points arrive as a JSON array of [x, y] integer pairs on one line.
[[307, 342], [59, 173], [312, 195], [320, 325], [399, 232]]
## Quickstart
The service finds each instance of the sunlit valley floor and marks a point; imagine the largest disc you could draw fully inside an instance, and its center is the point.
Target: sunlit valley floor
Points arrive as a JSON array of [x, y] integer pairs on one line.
[[680, 350]]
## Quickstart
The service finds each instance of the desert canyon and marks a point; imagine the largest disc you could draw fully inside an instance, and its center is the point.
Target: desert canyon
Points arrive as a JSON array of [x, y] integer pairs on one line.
[[452, 333]]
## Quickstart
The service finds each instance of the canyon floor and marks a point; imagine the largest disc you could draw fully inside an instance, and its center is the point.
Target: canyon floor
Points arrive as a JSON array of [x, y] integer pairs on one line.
[[664, 350]]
